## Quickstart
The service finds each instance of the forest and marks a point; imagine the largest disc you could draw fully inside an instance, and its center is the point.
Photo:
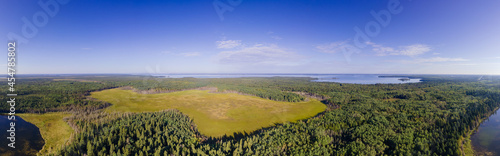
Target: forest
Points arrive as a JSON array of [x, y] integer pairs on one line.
[[433, 117]]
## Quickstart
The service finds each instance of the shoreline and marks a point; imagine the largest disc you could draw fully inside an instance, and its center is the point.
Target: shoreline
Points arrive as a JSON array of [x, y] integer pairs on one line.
[[471, 132]]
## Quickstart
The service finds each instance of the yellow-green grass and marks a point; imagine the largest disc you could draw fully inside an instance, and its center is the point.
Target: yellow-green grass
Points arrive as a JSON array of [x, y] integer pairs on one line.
[[54, 130], [466, 146], [215, 114]]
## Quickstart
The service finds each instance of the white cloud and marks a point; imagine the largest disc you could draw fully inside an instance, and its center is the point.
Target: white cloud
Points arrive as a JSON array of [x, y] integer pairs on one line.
[[165, 52], [259, 54], [415, 49], [440, 59], [228, 44], [411, 50], [335, 47], [465, 64], [276, 37], [190, 54], [433, 60], [381, 50]]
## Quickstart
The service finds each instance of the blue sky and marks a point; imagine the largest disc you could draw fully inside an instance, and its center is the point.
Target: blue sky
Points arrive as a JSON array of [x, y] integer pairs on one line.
[[258, 36]]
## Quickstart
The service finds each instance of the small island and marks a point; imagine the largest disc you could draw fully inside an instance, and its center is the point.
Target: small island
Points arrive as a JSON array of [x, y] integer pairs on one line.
[[404, 79]]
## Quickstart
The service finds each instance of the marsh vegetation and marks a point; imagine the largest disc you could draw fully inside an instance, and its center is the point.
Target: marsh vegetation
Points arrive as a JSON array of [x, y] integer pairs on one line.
[[215, 114], [434, 117]]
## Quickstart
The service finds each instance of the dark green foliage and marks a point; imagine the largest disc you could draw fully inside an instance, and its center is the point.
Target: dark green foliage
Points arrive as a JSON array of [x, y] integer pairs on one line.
[[41, 95], [147, 133], [427, 118]]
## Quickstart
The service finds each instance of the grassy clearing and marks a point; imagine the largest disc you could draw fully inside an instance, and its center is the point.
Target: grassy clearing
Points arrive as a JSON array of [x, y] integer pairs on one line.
[[54, 130], [215, 114]]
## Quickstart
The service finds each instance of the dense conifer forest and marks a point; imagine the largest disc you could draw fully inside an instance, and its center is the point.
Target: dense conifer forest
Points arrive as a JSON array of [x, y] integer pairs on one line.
[[428, 118]]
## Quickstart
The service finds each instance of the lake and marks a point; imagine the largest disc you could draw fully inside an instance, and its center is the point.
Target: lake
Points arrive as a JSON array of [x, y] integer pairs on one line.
[[365, 79], [486, 140], [28, 138], [339, 78]]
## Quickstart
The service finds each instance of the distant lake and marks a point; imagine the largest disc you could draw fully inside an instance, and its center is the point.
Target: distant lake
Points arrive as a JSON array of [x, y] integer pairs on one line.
[[28, 138], [486, 140], [340, 78]]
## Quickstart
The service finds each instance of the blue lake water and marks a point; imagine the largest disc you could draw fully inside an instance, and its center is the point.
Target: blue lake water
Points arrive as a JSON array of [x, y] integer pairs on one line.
[[28, 140], [486, 140], [339, 78]]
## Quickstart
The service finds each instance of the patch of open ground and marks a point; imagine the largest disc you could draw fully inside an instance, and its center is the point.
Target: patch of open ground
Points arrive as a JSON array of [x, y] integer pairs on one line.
[[215, 114], [54, 130]]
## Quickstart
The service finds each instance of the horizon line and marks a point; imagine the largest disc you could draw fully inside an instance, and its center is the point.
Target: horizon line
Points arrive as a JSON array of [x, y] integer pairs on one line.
[[247, 74]]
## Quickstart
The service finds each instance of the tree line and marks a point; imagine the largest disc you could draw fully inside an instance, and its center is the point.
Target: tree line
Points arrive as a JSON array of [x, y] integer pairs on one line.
[[427, 118]]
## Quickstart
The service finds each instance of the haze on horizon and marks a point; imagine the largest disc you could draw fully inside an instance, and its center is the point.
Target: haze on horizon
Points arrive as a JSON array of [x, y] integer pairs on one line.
[[243, 36]]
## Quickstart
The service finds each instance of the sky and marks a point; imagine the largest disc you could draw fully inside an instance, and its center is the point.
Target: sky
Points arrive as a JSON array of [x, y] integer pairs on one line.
[[257, 36]]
